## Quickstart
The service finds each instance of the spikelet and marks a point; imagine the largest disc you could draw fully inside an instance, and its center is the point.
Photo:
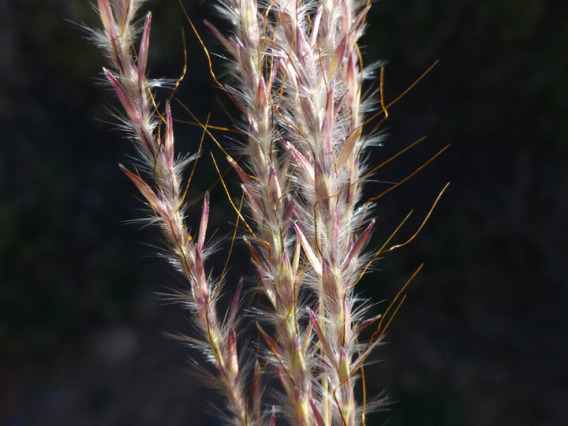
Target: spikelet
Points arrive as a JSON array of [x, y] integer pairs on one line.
[[164, 196]]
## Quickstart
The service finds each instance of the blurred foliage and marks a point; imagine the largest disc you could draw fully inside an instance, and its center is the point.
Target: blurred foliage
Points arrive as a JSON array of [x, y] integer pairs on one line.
[[62, 257], [494, 293]]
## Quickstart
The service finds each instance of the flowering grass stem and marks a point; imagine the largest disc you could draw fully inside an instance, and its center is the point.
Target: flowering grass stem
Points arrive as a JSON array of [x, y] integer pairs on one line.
[[297, 79]]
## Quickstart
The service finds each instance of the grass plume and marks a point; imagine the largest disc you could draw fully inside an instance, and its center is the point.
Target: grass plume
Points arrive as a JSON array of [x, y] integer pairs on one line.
[[297, 78]]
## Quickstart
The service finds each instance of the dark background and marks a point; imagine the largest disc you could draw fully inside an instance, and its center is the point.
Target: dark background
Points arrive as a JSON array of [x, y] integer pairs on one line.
[[481, 338]]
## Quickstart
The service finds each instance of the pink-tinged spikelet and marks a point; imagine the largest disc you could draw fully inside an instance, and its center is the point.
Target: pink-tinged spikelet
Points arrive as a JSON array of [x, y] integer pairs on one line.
[[127, 77]]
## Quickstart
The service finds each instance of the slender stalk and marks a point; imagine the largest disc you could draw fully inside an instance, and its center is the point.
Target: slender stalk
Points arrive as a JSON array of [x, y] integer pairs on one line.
[[321, 115], [270, 202], [128, 79]]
